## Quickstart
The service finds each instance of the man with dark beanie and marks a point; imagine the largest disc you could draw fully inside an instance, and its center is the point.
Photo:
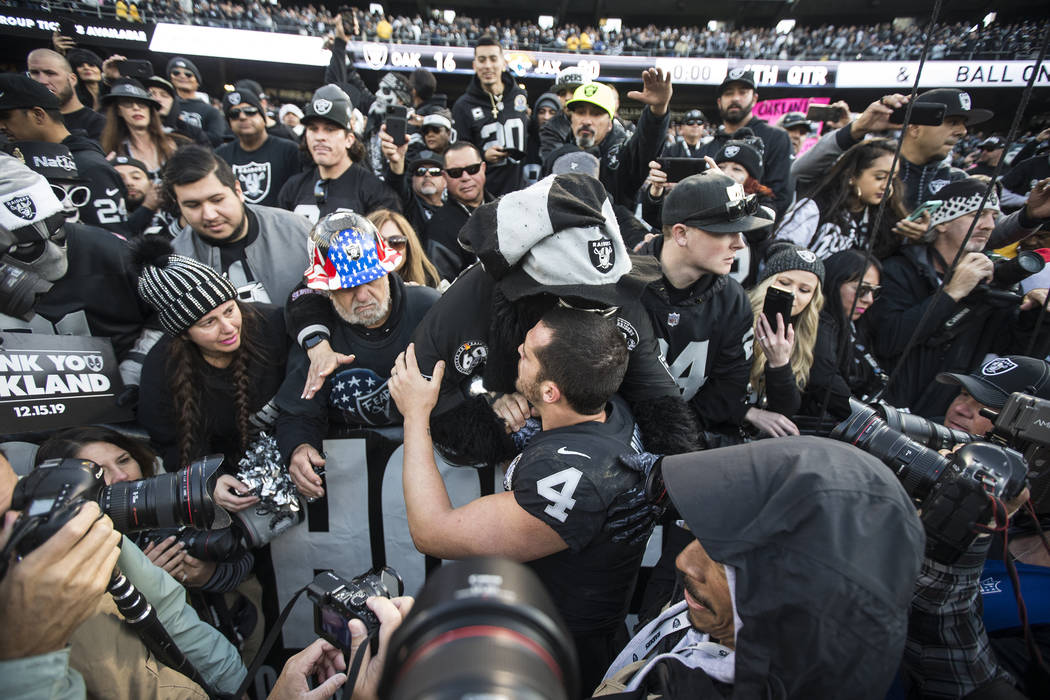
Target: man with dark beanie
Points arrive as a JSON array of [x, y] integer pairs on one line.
[[186, 78]]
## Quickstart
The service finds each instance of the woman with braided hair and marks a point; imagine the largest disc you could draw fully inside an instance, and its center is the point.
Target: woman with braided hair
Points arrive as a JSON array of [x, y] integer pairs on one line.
[[207, 386]]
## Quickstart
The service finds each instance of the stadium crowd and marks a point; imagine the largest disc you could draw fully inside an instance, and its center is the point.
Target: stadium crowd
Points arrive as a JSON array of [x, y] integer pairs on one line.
[[951, 41], [632, 323]]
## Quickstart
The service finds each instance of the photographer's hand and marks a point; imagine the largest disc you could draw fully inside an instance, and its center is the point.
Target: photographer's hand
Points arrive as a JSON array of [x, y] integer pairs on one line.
[[57, 586], [226, 495], [973, 269], [301, 467], [167, 554], [321, 660], [194, 572], [390, 613], [1035, 299]]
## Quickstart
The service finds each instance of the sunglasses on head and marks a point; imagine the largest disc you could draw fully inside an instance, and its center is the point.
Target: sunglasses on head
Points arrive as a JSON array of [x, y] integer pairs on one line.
[[236, 112], [397, 241], [321, 191], [456, 173], [432, 171], [182, 73]]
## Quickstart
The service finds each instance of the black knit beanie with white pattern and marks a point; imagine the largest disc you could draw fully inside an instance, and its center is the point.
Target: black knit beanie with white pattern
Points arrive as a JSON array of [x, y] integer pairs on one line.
[[181, 289]]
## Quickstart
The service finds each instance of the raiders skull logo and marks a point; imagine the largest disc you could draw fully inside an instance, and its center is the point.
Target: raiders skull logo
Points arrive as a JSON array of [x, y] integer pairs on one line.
[[807, 255], [998, 366], [737, 73], [322, 106], [602, 254], [375, 55], [964, 101], [234, 98], [732, 151], [22, 207], [589, 90]]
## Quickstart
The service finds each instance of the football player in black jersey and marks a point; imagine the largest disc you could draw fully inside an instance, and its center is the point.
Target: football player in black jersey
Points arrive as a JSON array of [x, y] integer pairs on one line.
[[557, 490], [494, 116]]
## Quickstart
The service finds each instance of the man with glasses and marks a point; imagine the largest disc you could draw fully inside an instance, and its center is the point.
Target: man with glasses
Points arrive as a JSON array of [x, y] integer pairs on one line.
[[261, 162], [369, 316], [465, 180], [333, 183], [186, 78], [30, 112], [248, 243], [691, 137], [421, 183]]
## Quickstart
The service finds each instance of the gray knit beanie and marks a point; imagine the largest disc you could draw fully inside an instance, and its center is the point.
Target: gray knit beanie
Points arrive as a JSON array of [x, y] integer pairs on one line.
[[785, 256], [181, 289]]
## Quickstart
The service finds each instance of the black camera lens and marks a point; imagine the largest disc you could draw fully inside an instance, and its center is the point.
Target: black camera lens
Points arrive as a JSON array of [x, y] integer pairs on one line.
[[918, 468], [167, 500], [923, 430], [1007, 273], [482, 628]]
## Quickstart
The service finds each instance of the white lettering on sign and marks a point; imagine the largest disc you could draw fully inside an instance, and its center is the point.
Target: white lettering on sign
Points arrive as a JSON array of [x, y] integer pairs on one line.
[[406, 59], [960, 74], [807, 75]]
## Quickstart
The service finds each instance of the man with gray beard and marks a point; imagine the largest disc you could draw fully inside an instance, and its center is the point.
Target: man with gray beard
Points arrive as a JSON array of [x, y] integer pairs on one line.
[[377, 313]]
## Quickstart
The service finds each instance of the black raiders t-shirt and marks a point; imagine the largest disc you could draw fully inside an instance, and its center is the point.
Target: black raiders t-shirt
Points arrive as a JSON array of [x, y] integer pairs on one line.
[[567, 477], [263, 171], [356, 189]]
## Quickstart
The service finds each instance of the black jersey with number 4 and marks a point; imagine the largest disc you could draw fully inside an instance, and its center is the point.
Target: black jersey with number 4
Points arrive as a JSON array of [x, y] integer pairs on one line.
[[567, 477]]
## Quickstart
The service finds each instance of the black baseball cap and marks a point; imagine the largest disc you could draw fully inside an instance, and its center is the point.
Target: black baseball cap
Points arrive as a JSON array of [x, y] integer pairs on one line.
[[128, 160], [737, 75], [992, 143], [793, 120], [424, 157], [162, 83], [694, 114], [958, 104], [995, 380], [19, 91], [715, 203]]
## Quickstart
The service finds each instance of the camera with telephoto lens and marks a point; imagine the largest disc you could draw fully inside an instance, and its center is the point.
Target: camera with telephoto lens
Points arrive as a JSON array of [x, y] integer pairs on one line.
[[922, 430], [337, 601], [1007, 273], [52, 494], [206, 545], [951, 492], [481, 628]]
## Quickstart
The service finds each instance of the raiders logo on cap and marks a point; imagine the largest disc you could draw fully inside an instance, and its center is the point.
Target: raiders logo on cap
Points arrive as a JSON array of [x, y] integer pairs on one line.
[[807, 255], [589, 90], [737, 73], [964, 101], [732, 151], [234, 98], [322, 106], [998, 366], [937, 185]]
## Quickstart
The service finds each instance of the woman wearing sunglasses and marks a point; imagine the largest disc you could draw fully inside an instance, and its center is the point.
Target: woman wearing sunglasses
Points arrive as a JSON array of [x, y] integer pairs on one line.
[[133, 126], [415, 267]]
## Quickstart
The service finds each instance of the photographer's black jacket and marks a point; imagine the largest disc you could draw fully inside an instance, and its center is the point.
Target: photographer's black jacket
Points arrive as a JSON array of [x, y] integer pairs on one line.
[[909, 283], [473, 117], [705, 338]]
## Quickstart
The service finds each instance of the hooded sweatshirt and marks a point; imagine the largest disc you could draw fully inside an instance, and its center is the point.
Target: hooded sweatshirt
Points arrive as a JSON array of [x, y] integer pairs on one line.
[[488, 122]]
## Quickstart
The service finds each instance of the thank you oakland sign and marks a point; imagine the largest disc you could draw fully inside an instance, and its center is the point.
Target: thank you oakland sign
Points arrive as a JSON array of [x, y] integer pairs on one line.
[[54, 381]]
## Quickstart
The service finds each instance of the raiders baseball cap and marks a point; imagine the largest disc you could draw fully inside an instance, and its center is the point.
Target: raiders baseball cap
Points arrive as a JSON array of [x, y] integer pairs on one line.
[[996, 379], [19, 91], [795, 120], [715, 203], [331, 103], [568, 79], [598, 94], [737, 75], [694, 115], [992, 143], [52, 160], [129, 88], [958, 104], [425, 157]]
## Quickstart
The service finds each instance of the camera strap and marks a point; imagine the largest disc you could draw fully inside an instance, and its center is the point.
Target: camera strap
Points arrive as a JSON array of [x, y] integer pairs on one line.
[[264, 650]]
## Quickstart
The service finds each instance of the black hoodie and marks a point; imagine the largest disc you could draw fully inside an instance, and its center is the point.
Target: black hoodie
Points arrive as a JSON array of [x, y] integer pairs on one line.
[[489, 122]]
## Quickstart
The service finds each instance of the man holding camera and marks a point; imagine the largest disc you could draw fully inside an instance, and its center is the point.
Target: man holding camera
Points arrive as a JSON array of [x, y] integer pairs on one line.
[[62, 638], [557, 491], [964, 320]]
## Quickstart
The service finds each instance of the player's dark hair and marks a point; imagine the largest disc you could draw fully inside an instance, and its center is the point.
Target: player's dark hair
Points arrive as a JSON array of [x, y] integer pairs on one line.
[[586, 357], [192, 163], [464, 146], [423, 83], [485, 40]]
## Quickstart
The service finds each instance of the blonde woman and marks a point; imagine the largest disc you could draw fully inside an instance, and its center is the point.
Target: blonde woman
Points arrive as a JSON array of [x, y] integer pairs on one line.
[[415, 267], [784, 347]]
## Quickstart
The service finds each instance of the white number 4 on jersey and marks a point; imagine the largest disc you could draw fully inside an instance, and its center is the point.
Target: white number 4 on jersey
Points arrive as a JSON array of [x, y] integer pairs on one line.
[[561, 500]]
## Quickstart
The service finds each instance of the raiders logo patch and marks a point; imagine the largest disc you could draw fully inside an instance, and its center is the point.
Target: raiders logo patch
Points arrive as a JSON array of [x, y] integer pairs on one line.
[[353, 250], [521, 103], [737, 73], [731, 151], [612, 158], [629, 333], [477, 113], [937, 185], [807, 255], [470, 356], [602, 254], [322, 106], [234, 98], [964, 101], [590, 90], [998, 366], [22, 207], [191, 118], [255, 180]]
